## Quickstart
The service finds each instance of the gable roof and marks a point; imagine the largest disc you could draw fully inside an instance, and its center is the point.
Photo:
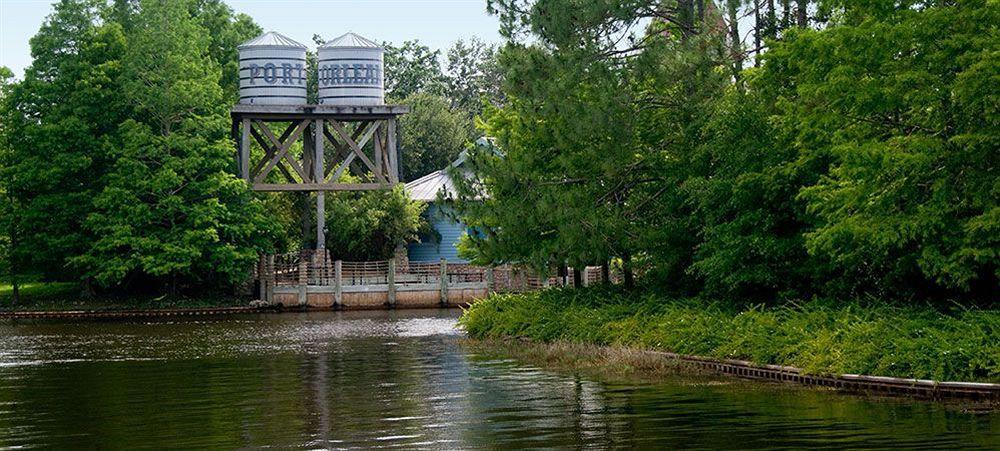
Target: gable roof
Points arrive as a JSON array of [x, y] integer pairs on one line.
[[426, 188]]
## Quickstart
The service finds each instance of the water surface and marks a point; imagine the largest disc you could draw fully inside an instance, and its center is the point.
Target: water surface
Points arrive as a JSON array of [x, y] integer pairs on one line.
[[399, 379]]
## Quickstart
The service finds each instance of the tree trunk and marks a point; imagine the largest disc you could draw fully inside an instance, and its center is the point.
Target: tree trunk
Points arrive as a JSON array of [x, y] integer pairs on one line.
[[733, 7], [684, 16], [786, 14], [801, 18], [605, 272], [577, 279], [772, 20], [758, 29]]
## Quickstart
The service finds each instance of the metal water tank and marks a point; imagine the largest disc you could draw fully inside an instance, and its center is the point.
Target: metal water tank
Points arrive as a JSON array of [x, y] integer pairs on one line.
[[272, 71], [350, 72]]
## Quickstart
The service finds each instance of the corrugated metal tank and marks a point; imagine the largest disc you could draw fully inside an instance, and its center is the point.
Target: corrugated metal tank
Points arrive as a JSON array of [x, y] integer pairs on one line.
[[350, 72], [272, 71]]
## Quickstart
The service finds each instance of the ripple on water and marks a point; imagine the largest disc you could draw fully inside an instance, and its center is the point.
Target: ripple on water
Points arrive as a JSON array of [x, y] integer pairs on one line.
[[381, 379]]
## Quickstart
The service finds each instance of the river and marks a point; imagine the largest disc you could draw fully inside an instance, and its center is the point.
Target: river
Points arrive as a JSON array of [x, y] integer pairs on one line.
[[400, 379]]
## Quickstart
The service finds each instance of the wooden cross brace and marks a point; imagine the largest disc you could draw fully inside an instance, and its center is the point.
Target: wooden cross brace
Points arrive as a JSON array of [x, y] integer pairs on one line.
[[345, 154], [355, 148]]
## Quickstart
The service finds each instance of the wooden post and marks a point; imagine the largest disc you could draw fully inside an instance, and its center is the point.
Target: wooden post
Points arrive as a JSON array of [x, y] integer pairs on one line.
[[262, 277], [391, 281], [489, 279], [393, 153], [444, 281], [303, 277], [318, 171], [338, 296], [269, 279], [245, 151]]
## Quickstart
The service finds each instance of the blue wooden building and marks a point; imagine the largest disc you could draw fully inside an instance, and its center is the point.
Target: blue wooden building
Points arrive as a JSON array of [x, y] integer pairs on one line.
[[441, 242]]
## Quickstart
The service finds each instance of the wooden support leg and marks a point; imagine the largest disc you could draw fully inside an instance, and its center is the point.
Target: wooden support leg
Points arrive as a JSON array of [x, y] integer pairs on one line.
[[318, 171], [444, 282], [245, 151]]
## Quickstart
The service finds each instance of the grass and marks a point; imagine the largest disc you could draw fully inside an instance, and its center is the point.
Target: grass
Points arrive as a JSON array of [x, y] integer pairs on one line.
[[61, 296], [821, 337], [604, 362]]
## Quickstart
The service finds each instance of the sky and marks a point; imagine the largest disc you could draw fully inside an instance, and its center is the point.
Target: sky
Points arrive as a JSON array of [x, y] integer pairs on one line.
[[435, 23]]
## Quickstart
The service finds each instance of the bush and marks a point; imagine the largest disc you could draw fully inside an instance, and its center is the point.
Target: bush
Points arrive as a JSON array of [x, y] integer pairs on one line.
[[858, 337]]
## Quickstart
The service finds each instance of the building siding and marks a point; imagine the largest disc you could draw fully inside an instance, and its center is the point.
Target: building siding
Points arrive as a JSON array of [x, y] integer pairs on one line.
[[430, 249]]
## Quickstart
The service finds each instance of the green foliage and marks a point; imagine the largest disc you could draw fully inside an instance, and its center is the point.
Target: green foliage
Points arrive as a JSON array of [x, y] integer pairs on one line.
[[117, 169], [474, 76], [411, 68], [226, 31], [59, 118], [913, 192], [595, 146], [858, 157], [370, 225], [743, 190], [431, 136], [56, 296], [820, 337], [169, 209]]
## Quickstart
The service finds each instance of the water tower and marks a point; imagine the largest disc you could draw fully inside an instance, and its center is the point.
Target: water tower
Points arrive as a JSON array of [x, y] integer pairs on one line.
[[272, 71], [350, 72], [349, 131]]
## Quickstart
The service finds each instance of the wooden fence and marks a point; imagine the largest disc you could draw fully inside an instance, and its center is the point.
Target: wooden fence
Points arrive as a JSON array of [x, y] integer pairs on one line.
[[312, 278]]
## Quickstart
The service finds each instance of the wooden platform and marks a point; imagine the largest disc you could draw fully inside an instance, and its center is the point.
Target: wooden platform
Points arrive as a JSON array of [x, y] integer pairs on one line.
[[339, 112]]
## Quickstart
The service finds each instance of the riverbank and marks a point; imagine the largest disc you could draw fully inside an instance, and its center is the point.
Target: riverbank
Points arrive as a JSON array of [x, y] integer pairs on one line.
[[818, 337], [54, 297]]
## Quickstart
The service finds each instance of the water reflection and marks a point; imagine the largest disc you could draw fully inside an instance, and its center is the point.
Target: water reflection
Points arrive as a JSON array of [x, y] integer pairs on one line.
[[383, 379]]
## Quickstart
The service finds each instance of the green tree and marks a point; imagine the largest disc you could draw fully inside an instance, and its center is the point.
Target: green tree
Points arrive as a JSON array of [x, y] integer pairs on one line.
[[411, 68], [59, 117], [595, 138], [226, 31], [906, 102], [369, 225], [431, 136], [474, 76], [10, 207], [169, 211]]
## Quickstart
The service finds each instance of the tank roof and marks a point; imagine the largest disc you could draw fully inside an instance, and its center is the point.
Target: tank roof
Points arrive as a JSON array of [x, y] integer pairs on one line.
[[351, 40], [272, 39]]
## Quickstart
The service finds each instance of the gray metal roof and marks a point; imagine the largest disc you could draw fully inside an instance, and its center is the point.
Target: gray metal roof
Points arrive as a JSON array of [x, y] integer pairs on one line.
[[351, 40], [426, 188], [272, 39]]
